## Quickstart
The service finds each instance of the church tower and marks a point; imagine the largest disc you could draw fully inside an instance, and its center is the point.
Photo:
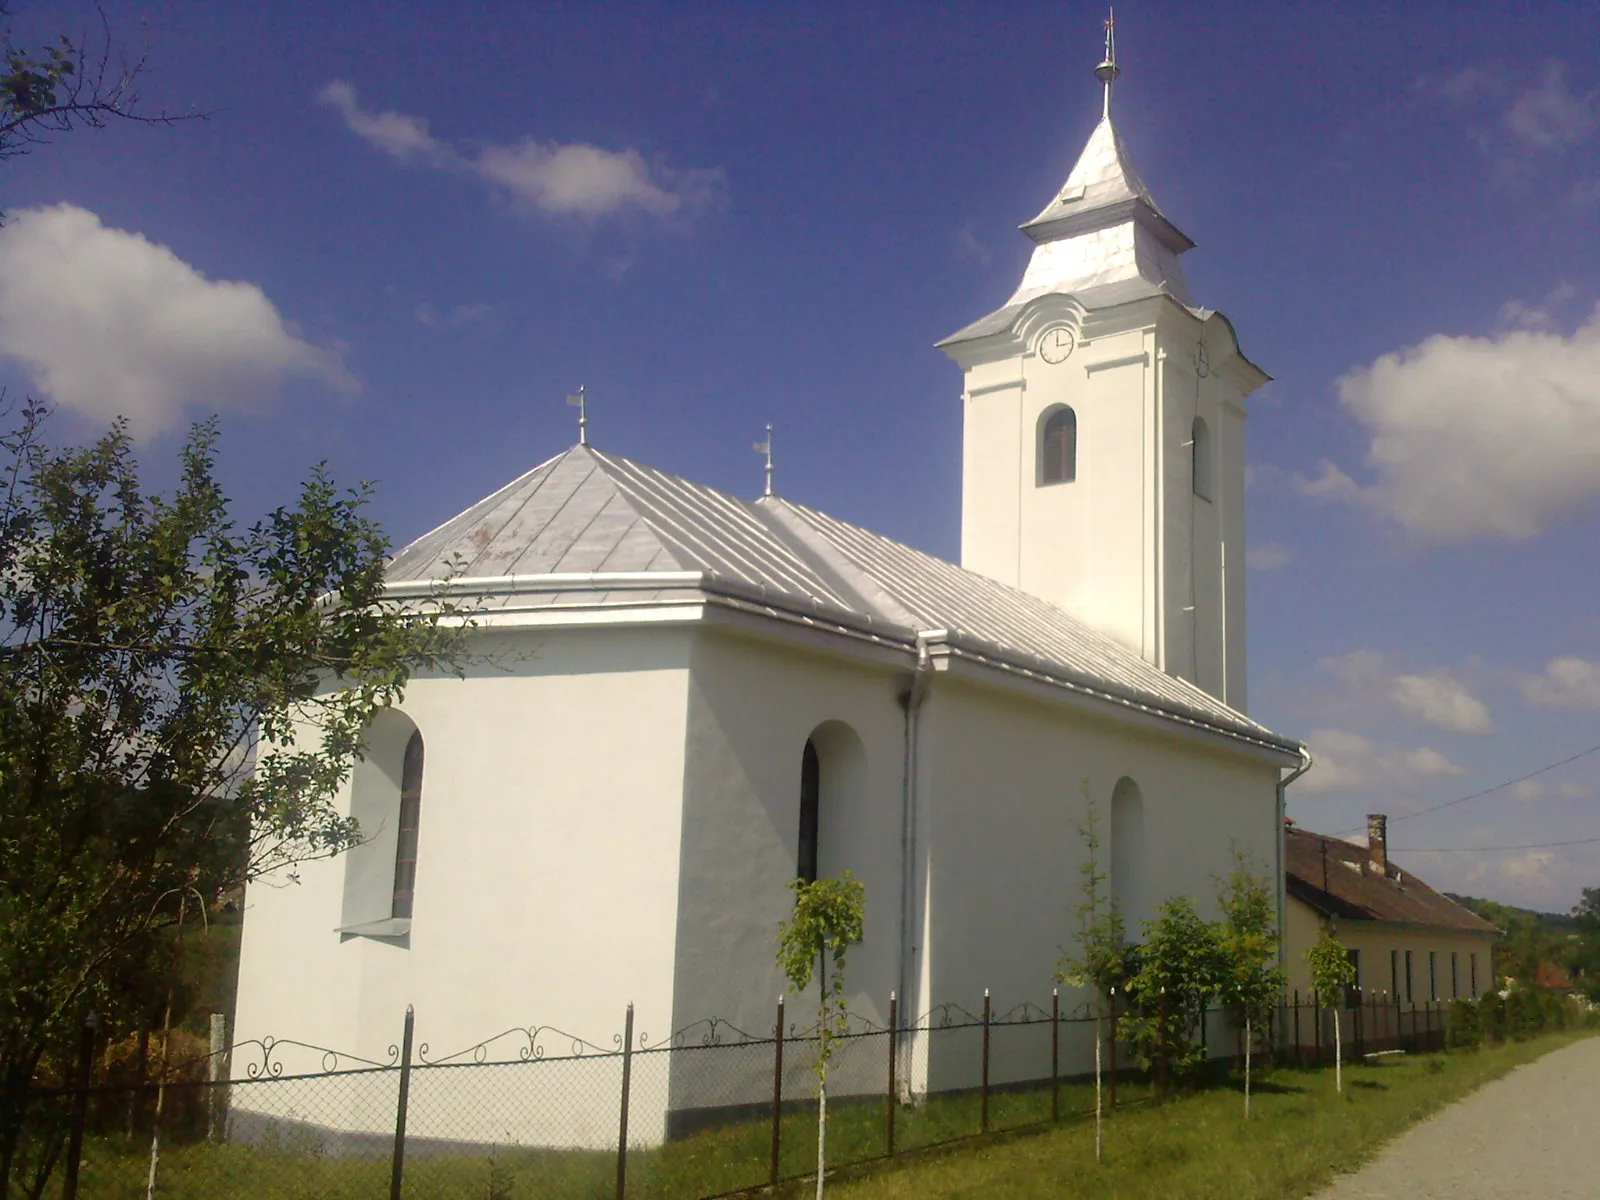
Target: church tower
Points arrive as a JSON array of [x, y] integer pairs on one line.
[[1103, 460]]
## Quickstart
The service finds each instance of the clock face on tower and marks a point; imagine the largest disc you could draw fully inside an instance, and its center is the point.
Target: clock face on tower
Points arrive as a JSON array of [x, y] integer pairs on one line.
[[1056, 344]]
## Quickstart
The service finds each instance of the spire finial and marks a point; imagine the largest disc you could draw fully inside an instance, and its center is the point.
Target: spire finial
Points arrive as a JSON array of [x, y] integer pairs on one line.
[[1108, 70], [578, 401], [766, 448]]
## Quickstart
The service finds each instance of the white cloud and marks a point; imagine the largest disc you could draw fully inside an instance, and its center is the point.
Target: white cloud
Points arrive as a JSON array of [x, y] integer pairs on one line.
[[1268, 556], [1567, 682], [459, 314], [1526, 790], [1549, 116], [1442, 701], [405, 137], [1477, 436], [1349, 762], [970, 246], [573, 179], [1538, 314], [108, 323]]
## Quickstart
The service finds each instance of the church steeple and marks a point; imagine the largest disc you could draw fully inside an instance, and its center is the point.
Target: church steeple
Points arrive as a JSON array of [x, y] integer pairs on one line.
[[1103, 225], [1103, 462]]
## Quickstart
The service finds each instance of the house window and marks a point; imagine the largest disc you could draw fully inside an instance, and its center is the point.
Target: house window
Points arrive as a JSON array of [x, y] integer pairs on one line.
[[405, 849], [1472, 966], [1455, 980], [1127, 850], [810, 801], [1058, 446], [1394, 975], [1410, 994], [1200, 448], [1353, 992], [1433, 974]]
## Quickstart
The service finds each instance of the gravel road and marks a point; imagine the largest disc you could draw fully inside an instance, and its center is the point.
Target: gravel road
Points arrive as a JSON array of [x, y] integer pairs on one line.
[[1533, 1134]]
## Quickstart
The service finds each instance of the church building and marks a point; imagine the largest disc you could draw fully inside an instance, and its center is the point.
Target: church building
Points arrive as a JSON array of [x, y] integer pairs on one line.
[[683, 699]]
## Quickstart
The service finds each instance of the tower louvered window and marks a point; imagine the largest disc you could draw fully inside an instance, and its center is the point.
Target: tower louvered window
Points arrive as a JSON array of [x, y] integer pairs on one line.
[[405, 851], [1058, 447]]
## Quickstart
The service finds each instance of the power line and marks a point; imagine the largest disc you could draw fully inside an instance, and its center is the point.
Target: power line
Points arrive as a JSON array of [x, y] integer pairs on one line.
[[1492, 849], [1499, 787]]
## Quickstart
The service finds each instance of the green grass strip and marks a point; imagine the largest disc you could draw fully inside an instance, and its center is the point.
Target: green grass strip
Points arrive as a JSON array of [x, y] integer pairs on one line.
[[1199, 1147]]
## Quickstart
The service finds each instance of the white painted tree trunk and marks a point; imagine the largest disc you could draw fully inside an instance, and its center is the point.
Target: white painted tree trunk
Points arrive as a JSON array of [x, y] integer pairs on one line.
[[1098, 1036], [822, 1128], [1338, 1053], [1247, 1068]]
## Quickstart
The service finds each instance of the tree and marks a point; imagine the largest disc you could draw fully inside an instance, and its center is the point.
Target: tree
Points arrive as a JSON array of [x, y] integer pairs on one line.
[[1331, 973], [180, 701], [1251, 980], [828, 918], [1179, 969], [1100, 961], [1583, 953], [66, 85]]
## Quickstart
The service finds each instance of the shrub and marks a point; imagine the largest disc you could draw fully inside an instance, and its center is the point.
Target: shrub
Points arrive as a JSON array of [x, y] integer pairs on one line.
[[1466, 1025], [1492, 1018]]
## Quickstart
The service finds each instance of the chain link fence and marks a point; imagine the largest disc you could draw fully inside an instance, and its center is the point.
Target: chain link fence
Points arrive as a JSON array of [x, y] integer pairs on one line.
[[714, 1111]]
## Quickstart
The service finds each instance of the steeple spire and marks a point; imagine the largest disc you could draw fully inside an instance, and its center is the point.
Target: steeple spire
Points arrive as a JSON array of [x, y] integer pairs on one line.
[[1108, 70]]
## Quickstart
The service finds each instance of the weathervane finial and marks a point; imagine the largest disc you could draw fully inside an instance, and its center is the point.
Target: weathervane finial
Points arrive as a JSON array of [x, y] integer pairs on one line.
[[578, 401], [1108, 70], [766, 448]]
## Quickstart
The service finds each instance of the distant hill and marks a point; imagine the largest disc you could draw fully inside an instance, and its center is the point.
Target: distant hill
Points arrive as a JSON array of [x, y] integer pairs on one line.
[[1509, 916]]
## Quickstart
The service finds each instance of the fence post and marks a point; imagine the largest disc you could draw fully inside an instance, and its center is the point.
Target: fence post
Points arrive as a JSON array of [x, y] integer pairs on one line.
[[983, 1096], [1299, 1051], [1161, 1043], [398, 1164], [1113, 1098], [80, 1106], [777, 1095], [622, 1121], [1055, 1053], [894, 1012], [216, 1072]]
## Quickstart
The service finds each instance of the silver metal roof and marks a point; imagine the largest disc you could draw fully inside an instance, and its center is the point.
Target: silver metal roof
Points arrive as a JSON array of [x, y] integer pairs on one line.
[[585, 515]]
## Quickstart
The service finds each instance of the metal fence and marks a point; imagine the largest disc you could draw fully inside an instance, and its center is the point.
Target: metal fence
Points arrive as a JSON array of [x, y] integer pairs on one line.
[[713, 1111]]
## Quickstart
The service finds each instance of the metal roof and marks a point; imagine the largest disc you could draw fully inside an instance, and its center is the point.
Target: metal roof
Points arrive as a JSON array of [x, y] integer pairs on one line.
[[586, 513], [1340, 879]]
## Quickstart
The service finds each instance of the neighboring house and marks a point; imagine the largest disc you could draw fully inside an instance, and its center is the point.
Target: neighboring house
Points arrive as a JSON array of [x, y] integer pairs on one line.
[[686, 698], [1553, 977], [1408, 941]]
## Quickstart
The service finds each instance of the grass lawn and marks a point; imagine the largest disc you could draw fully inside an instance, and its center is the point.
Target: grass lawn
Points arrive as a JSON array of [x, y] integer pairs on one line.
[[1199, 1147]]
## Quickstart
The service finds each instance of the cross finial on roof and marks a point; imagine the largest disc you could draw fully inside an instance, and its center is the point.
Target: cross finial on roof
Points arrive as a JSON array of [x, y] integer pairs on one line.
[[766, 448], [1108, 70], [578, 401]]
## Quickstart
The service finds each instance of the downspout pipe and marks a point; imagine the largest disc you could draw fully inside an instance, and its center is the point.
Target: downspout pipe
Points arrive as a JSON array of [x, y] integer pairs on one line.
[[911, 700], [1283, 788]]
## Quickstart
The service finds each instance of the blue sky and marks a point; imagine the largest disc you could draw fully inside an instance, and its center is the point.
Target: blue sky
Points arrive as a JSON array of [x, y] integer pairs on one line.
[[435, 222]]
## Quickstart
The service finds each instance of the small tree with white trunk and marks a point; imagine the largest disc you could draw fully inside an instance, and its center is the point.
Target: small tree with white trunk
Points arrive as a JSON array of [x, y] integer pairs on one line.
[[1332, 972], [828, 918]]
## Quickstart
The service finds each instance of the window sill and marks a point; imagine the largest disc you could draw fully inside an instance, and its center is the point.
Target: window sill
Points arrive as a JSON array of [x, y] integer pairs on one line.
[[388, 927]]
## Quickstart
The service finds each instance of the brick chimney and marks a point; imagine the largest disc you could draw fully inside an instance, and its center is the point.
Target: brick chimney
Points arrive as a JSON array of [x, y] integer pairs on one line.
[[1378, 842]]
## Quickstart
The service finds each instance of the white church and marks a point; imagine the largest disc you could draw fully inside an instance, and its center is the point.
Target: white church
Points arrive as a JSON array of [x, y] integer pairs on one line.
[[692, 698]]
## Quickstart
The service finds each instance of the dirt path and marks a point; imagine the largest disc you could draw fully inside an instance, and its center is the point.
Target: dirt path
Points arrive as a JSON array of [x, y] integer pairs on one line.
[[1533, 1134]]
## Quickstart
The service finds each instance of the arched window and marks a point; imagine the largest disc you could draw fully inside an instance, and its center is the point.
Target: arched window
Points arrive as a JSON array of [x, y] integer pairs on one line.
[[380, 871], [1128, 850], [1058, 446], [1200, 445], [810, 802], [405, 849]]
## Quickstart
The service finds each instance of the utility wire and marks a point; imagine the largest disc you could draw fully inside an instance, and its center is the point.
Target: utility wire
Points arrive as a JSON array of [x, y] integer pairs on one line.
[[1499, 787], [1492, 849]]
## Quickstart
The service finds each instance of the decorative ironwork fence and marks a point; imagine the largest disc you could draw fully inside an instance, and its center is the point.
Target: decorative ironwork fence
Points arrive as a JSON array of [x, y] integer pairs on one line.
[[712, 1111]]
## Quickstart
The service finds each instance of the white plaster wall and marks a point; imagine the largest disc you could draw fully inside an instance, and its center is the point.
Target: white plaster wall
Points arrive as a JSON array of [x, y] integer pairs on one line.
[[1002, 804], [752, 705], [547, 875]]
